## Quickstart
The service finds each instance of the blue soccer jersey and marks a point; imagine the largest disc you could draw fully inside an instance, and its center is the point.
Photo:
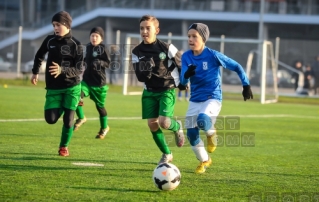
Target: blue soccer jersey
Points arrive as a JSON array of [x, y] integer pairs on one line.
[[206, 83]]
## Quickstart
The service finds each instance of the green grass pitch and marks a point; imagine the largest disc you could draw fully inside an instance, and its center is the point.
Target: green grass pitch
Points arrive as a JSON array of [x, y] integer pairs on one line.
[[282, 162]]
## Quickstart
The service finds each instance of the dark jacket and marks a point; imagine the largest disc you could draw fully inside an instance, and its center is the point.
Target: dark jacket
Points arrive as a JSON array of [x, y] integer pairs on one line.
[[155, 65], [96, 60], [65, 51]]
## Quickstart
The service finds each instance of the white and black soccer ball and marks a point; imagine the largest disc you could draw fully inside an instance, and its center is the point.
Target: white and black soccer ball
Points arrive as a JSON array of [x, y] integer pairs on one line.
[[166, 176]]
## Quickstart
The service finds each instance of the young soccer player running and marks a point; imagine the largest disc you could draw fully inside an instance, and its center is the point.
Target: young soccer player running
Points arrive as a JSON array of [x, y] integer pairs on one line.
[[62, 76], [186, 91], [154, 64], [201, 66], [94, 81]]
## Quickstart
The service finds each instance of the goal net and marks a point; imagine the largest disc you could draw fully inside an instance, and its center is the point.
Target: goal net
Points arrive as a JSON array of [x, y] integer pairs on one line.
[[260, 70]]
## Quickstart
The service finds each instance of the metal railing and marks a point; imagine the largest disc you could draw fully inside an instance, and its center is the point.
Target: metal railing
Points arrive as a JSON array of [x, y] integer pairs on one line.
[[281, 7]]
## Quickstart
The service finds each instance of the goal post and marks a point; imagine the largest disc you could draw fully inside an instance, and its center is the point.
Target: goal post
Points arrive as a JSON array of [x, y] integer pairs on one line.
[[268, 57], [268, 76], [235, 48], [126, 66]]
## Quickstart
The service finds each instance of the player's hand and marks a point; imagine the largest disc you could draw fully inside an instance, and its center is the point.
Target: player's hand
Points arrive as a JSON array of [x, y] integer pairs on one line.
[[247, 94], [34, 79], [182, 87], [190, 71], [55, 69]]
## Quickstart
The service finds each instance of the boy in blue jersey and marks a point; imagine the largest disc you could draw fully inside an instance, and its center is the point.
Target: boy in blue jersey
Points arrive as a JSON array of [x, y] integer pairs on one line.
[[200, 67]]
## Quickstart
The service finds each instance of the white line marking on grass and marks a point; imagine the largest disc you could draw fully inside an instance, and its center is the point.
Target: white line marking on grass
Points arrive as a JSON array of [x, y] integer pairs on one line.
[[20, 120], [139, 118], [274, 116], [30, 120], [87, 164]]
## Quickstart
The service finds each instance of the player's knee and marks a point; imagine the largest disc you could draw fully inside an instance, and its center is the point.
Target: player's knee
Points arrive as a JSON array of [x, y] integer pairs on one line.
[[204, 122], [102, 111], [68, 125], [193, 136], [153, 126], [50, 121], [51, 116], [165, 122]]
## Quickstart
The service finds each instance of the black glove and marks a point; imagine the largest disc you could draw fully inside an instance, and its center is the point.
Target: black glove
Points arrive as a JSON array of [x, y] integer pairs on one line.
[[190, 71], [182, 87], [247, 94]]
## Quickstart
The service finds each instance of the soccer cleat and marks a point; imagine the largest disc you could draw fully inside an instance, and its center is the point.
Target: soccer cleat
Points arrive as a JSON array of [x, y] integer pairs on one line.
[[102, 133], [179, 135], [78, 123], [63, 151], [203, 165], [166, 158], [212, 143]]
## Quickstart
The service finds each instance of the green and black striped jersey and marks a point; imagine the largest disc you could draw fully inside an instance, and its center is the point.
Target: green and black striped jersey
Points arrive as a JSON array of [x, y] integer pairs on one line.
[[163, 72]]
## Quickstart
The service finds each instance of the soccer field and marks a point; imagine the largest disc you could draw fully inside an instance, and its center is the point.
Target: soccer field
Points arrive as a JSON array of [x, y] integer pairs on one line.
[[281, 160]]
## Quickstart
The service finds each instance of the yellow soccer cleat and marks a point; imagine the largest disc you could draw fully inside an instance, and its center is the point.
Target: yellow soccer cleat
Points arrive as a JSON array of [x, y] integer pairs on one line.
[[212, 143], [203, 165]]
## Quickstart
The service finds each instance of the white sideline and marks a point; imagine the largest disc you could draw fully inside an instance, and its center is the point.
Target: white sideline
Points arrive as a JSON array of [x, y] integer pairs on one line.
[[87, 164], [139, 118], [42, 119]]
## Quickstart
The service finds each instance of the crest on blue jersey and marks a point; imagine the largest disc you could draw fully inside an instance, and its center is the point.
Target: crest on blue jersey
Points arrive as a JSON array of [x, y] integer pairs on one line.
[[205, 66]]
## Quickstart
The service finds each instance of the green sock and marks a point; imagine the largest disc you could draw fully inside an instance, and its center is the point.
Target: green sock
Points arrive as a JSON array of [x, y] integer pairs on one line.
[[79, 112], [174, 125], [159, 139], [66, 136], [103, 122]]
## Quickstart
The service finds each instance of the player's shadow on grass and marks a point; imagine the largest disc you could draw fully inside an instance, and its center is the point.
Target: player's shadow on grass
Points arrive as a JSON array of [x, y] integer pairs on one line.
[[136, 162], [63, 168], [35, 154], [281, 174], [34, 168], [32, 156], [116, 189], [138, 170], [26, 135]]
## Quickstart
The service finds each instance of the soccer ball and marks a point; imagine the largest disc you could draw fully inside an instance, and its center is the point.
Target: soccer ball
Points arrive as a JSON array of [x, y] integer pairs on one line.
[[166, 176]]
